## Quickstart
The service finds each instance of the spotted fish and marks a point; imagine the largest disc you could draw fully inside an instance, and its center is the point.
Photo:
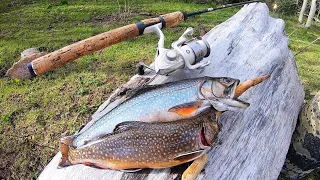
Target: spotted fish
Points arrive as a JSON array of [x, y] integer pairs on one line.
[[156, 103], [134, 145], [303, 156]]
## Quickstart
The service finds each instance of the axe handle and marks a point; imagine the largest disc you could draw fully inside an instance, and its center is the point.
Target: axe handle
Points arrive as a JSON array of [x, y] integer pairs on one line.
[[98, 42]]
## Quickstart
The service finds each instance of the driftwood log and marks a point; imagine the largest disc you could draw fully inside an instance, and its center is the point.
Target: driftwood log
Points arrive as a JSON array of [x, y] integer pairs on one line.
[[254, 141]]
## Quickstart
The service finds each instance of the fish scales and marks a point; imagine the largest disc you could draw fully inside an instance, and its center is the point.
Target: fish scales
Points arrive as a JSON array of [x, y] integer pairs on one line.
[[147, 145], [142, 105], [135, 144]]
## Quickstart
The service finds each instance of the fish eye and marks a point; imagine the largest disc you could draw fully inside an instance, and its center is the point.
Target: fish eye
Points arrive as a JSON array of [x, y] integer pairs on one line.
[[226, 80]]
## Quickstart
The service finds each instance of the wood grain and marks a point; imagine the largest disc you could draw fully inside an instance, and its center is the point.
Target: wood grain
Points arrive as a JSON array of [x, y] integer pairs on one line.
[[84, 47], [254, 141]]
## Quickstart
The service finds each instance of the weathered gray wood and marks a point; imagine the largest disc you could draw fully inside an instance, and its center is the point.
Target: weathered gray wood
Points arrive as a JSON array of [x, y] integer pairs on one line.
[[255, 141]]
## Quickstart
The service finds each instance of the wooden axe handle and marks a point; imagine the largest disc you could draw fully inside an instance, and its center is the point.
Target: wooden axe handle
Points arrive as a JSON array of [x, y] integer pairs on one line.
[[98, 42]]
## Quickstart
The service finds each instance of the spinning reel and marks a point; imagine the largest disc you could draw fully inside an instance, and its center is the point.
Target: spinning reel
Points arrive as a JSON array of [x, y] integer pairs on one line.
[[185, 53]]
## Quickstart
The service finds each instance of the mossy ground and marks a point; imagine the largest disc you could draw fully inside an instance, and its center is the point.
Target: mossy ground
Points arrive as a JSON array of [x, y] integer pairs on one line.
[[35, 114]]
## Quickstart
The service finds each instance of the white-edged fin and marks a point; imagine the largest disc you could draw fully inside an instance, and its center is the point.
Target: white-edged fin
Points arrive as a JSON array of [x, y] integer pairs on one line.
[[203, 108], [189, 156], [235, 103], [219, 106], [130, 170]]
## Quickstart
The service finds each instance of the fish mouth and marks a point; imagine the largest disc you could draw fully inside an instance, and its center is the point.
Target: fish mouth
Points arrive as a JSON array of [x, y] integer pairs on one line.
[[203, 139], [230, 91]]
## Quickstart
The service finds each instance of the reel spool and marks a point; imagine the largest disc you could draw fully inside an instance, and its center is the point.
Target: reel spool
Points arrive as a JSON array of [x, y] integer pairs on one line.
[[185, 53]]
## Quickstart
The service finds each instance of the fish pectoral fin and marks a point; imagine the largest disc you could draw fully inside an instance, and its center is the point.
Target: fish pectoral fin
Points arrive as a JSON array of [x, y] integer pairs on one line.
[[189, 156], [187, 108], [239, 103], [228, 104], [127, 125], [195, 168], [130, 170]]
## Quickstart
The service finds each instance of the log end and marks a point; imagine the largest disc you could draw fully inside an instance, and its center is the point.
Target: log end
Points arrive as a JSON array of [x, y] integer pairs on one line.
[[20, 70]]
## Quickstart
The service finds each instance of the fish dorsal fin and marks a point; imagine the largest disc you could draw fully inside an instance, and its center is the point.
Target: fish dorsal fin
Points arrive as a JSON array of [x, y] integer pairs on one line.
[[121, 127], [189, 156], [127, 125], [187, 108]]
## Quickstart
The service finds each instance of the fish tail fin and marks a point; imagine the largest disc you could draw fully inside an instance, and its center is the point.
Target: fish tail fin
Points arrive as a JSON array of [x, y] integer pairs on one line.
[[65, 145], [242, 87]]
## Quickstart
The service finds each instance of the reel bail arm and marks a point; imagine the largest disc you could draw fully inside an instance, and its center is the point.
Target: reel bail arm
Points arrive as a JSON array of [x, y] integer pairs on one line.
[[185, 53]]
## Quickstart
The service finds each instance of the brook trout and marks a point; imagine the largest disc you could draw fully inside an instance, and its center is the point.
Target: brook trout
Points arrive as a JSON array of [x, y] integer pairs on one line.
[[135, 145], [154, 104]]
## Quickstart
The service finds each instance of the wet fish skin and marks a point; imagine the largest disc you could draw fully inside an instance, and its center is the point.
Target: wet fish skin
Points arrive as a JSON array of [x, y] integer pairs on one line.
[[208, 136], [158, 100], [147, 145]]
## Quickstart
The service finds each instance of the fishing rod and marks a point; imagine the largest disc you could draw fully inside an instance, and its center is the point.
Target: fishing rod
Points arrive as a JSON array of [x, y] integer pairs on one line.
[[38, 66]]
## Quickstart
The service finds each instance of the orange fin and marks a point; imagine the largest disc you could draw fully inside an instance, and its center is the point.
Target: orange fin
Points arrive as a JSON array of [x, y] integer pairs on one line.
[[187, 108], [195, 168], [65, 145], [189, 156], [219, 113]]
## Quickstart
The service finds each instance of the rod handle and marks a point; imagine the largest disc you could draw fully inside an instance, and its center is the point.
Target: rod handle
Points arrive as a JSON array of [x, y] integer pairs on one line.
[[87, 46]]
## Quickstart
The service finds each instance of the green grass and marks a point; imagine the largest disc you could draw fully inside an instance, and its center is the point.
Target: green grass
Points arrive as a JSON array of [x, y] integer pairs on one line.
[[35, 114], [308, 62]]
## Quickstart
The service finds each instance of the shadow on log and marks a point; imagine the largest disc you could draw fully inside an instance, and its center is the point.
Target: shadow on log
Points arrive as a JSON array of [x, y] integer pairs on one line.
[[255, 141]]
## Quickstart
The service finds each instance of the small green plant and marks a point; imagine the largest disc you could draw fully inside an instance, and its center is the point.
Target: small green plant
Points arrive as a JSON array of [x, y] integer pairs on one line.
[[49, 6], [82, 91], [64, 2], [6, 117]]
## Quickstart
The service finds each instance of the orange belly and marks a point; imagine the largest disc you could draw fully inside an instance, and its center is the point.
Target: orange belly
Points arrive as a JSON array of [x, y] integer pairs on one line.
[[125, 165]]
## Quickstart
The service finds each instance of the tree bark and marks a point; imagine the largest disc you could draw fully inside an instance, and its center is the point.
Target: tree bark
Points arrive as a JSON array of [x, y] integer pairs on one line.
[[303, 9], [254, 141], [312, 12]]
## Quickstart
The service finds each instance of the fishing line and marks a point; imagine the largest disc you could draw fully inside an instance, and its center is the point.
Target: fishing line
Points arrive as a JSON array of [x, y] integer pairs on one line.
[[306, 47], [190, 14]]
